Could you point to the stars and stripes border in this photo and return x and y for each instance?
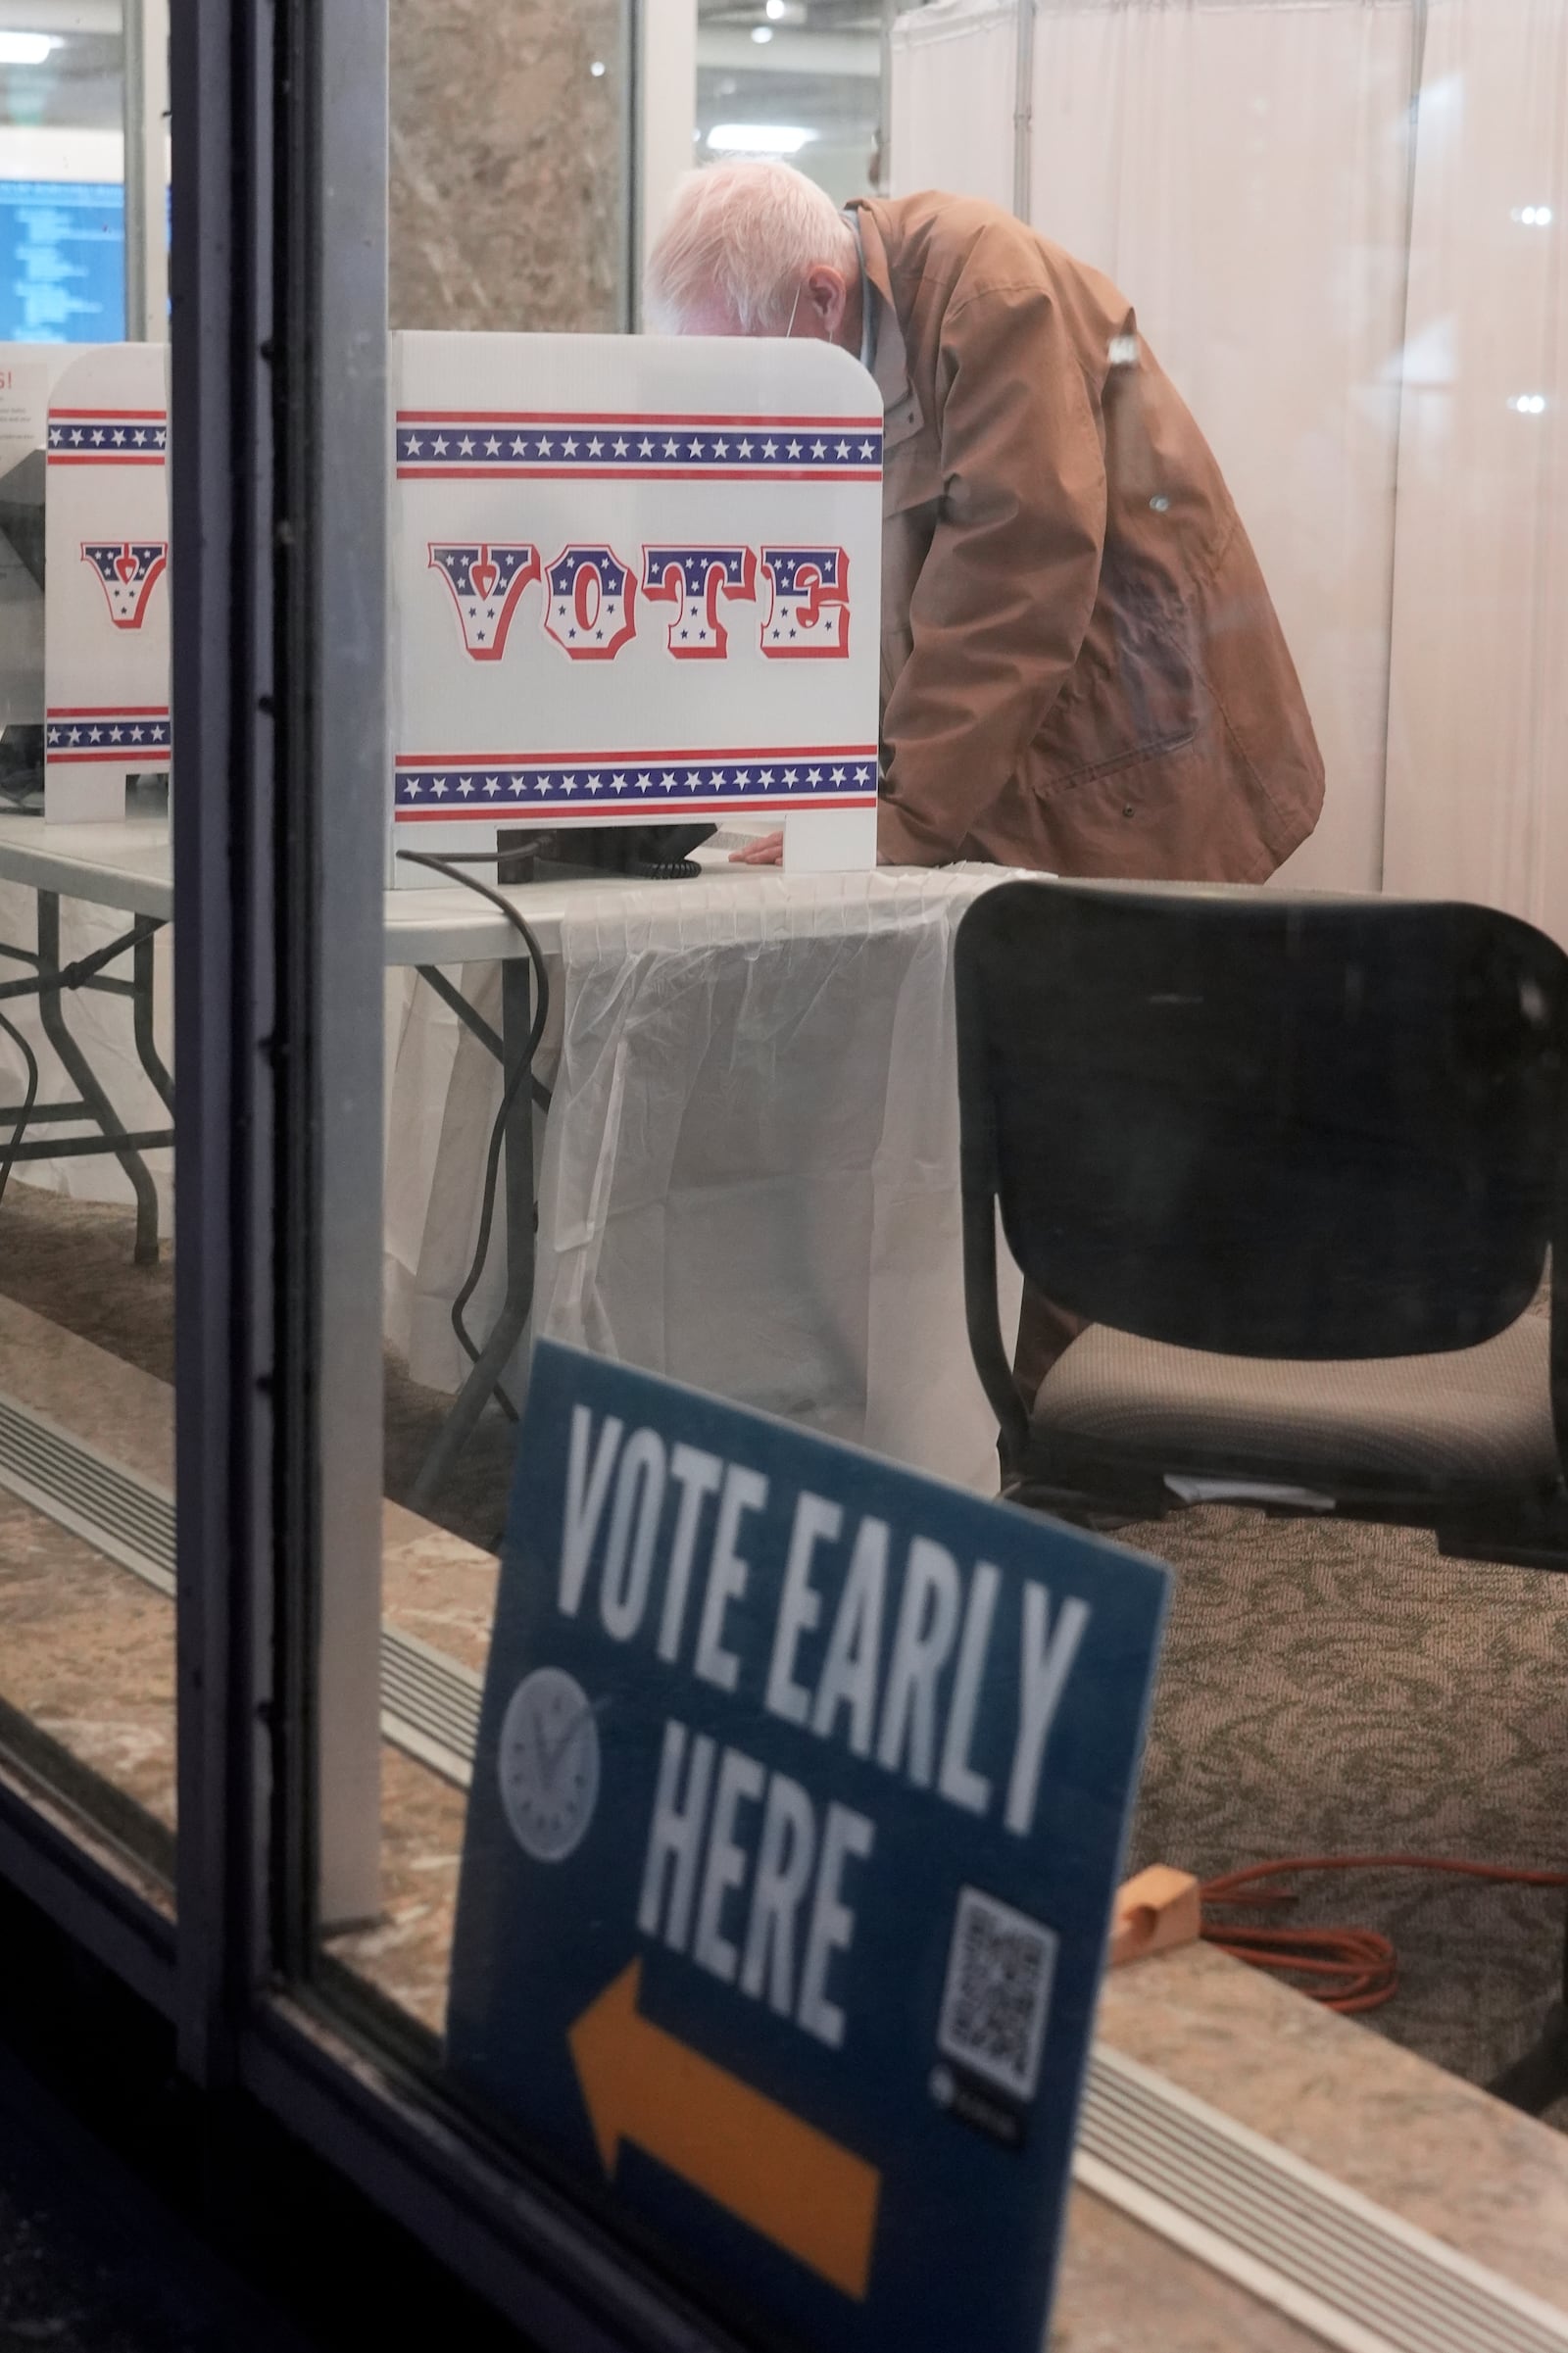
(115, 733)
(108, 437)
(649, 783)
(451, 444)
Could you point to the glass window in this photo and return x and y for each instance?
(87, 1165)
(1321, 251)
(511, 209)
(1191, 519)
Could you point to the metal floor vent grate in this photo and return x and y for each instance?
(429, 1702)
(110, 1508)
(1346, 2269)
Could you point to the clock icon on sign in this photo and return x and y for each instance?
(549, 1764)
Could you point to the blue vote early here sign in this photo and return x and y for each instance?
(799, 1808)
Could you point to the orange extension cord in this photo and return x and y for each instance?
(1347, 1969)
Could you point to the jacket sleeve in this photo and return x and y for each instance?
(1004, 595)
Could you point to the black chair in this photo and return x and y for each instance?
(1296, 1161)
(1300, 1163)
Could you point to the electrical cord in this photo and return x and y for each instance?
(1345, 1969)
(448, 864)
(451, 867)
(481, 1247)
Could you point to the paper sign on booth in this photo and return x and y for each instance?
(635, 580)
(798, 1812)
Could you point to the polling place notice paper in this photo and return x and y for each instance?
(798, 1810)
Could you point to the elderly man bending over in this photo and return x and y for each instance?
(1081, 667)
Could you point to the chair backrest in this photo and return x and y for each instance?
(1270, 1125)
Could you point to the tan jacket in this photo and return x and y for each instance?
(1081, 667)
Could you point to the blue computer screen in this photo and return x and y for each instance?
(62, 261)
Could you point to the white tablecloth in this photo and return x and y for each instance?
(748, 1177)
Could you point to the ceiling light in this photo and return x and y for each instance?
(27, 48)
(596, 68)
(775, 9)
(1529, 404)
(758, 138)
(761, 33)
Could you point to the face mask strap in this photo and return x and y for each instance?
(794, 307)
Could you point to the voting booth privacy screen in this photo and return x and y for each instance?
(106, 530)
(798, 1811)
(635, 580)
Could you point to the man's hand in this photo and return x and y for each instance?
(766, 850)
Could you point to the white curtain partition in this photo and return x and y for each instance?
(1478, 735)
(1320, 209)
(950, 118)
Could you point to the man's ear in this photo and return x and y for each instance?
(827, 292)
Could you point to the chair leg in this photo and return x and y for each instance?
(1531, 1534)
(1101, 1515)
(1534, 2081)
(1541, 2076)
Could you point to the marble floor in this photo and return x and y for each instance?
(1428, 2147)
(87, 1660)
(86, 1650)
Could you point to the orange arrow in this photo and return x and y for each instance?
(742, 2150)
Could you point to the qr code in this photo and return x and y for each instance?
(997, 1992)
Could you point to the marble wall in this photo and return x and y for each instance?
(507, 200)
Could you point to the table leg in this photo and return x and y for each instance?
(518, 1198)
(96, 1105)
(152, 1061)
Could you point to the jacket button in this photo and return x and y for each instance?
(1127, 808)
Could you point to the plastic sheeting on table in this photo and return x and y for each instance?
(750, 1170)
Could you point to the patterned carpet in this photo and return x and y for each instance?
(1333, 1688)
(1325, 1687)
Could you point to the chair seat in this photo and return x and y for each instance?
(1476, 1420)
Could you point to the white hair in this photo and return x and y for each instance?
(743, 235)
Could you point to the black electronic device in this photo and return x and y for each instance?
(22, 502)
(22, 680)
(581, 852)
(21, 771)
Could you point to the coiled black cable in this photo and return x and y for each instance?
(451, 867)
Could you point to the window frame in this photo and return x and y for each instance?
(279, 432)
